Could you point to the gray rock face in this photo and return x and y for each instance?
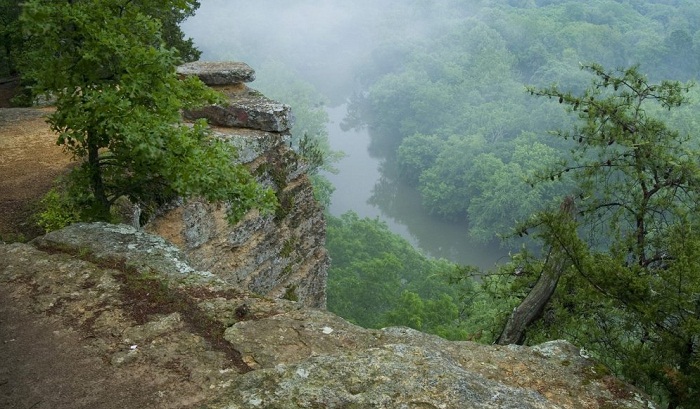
(245, 108)
(143, 309)
(278, 256)
(218, 73)
(253, 111)
(136, 249)
(392, 376)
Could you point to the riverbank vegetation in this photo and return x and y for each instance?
(452, 109)
(448, 104)
(465, 98)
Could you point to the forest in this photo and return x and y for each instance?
(567, 130)
(500, 114)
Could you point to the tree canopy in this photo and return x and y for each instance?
(118, 101)
(377, 279)
(629, 287)
(12, 42)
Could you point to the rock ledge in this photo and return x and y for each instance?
(143, 309)
(218, 72)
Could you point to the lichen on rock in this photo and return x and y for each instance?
(254, 254)
(237, 349)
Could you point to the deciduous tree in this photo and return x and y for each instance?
(118, 99)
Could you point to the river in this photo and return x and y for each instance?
(360, 186)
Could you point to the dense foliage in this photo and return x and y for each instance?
(118, 102)
(10, 38)
(631, 291)
(12, 41)
(377, 279)
(452, 110)
(450, 106)
(442, 91)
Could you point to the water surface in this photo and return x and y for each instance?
(363, 186)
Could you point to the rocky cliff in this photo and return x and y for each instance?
(191, 339)
(282, 255)
(190, 312)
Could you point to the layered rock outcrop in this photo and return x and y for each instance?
(135, 302)
(281, 255)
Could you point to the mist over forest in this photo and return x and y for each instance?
(491, 118)
(326, 43)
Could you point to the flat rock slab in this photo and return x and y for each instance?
(219, 72)
(155, 340)
(252, 111)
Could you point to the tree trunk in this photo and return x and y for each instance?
(98, 188)
(532, 306)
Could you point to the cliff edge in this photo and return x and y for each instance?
(280, 255)
(191, 312)
(168, 335)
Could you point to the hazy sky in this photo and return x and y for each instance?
(326, 42)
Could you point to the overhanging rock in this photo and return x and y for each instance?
(249, 110)
(280, 255)
(245, 108)
(215, 73)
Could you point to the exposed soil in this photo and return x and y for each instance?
(30, 161)
(44, 363)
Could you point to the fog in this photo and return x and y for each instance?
(329, 44)
(443, 83)
(324, 42)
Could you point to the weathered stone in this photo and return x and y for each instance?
(152, 329)
(218, 73)
(280, 255)
(250, 144)
(250, 110)
(392, 376)
(275, 353)
(122, 244)
(276, 256)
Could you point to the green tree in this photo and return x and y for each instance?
(118, 99)
(416, 154)
(629, 287)
(170, 19)
(377, 280)
(10, 38)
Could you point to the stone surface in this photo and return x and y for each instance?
(143, 310)
(280, 255)
(125, 244)
(392, 376)
(218, 73)
(248, 110)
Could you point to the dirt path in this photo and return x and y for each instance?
(29, 163)
(44, 364)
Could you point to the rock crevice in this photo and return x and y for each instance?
(142, 308)
(280, 256)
